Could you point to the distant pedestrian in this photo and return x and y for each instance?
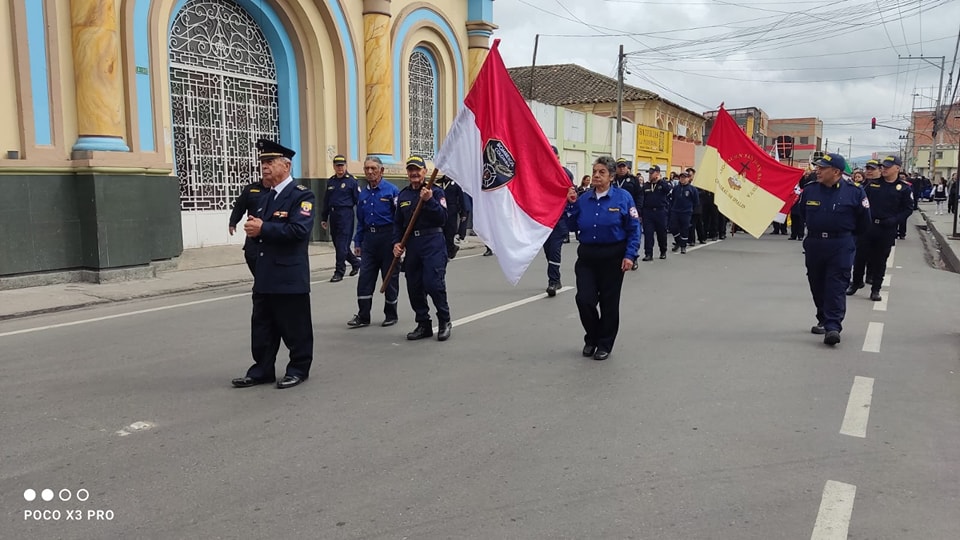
(684, 199)
(940, 195)
(339, 203)
(281, 284)
(655, 212)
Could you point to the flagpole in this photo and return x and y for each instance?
(408, 232)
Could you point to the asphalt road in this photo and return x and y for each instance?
(717, 416)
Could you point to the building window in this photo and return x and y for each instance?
(804, 140)
(423, 104)
(223, 92)
(939, 155)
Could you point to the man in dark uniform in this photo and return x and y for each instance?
(656, 208)
(456, 213)
(281, 280)
(426, 253)
(835, 211)
(373, 243)
(338, 208)
(697, 231)
(553, 246)
(685, 198)
(247, 203)
(902, 226)
(891, 200)
(625, 180)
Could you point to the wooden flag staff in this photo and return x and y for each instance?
(408, 232)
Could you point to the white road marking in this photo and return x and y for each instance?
(501, 309)
(887, 280)
(858, 408)
(871, 342)
(882, 304)
(119, 315)
(893, 253)
(836, 507)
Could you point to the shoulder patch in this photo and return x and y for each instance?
(633, 212)
(404, 204)
(865, 202)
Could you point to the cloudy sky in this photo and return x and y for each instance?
(843, 61)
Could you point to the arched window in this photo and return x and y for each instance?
(223, 91)
(423, 103)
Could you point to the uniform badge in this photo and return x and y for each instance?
(813, 203)
(280, 214)
(254, 191)
(443, 202)
(865, 203)
(613, 209)
(633, 213)
(499, 166)
(404, 204)
(343, 185)
(899, 187)
(306, 208)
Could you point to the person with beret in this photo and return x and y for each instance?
(609, 226)
(836, 211)
(280, 231)
(425, 264)
(341, 198)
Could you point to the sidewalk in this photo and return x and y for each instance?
(197, 269)
(941, 227)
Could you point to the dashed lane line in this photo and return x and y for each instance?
(871, 342)
(858, 408)
(893, 253)
(836, 507)
(882, 304)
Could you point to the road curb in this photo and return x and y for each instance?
(946, 250)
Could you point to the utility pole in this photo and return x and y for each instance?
(533, 65)
(620, 68)
(850, 148)
(936, 110)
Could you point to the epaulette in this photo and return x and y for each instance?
(302, 188)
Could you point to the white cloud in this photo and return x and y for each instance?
(836, 60)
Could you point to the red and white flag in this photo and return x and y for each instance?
(497, 152)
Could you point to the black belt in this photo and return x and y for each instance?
(425, 232)
(842, 234)
(379, 228)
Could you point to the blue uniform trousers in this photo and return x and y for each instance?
(654, 225)
(425, 265)
(680, 227)
(553, 247)
(281, 317)
(376, 257)
(828, 263)
(341, 230)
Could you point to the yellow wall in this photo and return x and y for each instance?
(9, 138)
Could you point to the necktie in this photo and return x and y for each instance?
(267, 204)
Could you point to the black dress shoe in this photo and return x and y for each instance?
(589, 350)
(355, 322)
(853, 288)
(289, 381)
(552, 288)
(675, 248)
(601, 355)
(875, 296)
(832, 337)
(336, 278)
(647, 258)
(663, 254)
(355, 270)
(683, 250)
(818, 329)
(443, 330)
(246, 382)
(423, 330)
(635, 265)
(868, 281)
(488, 252)
(388, 322)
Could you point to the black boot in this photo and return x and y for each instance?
(444, 330)
(423, 330)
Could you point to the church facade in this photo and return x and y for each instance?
(132, 123)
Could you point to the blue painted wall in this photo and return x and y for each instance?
(39, 83)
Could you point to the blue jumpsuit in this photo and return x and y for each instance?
(834, 216)
(425, 262)
(553, 246)
(376, 210)
(685, 197)
(656, 206)
(609, 233)
(338, 205)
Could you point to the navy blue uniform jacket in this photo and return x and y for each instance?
(282, 263)
(432, 215)
(843, 208)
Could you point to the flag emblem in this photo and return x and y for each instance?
(499, 166)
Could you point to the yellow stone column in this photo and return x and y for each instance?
(378, 75)
(478, 45)
(96, 63)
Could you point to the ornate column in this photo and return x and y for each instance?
(96, 62)
(478, 45)
(378, 76)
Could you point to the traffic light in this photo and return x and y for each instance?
(873, 123)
